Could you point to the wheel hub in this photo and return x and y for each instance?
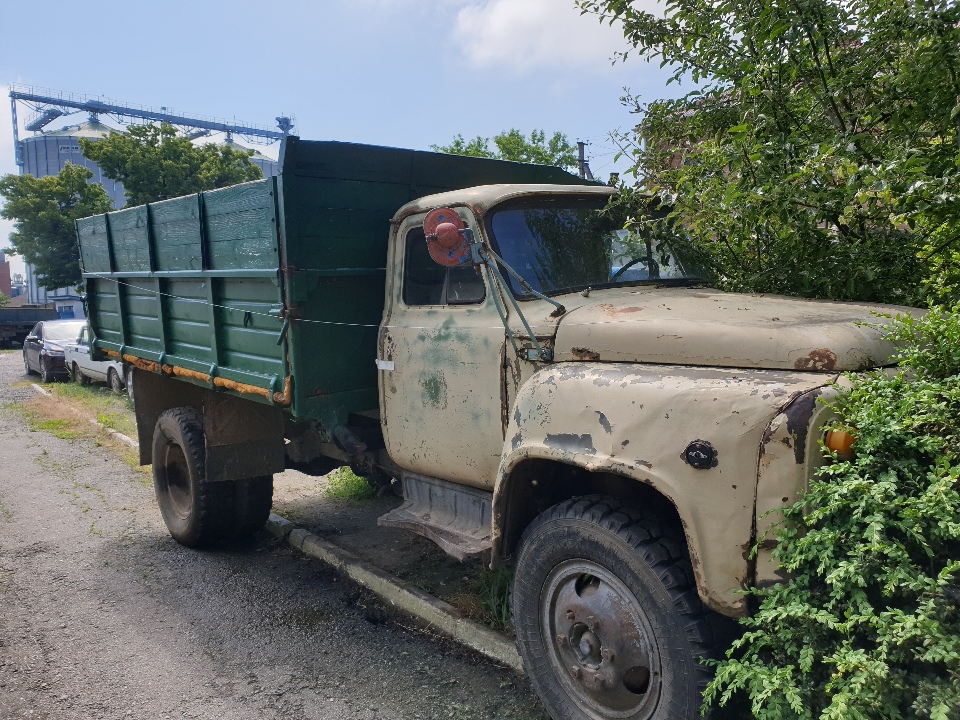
(602, 647)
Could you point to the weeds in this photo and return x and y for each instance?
(344, 484)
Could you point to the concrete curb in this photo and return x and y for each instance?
(437, 614)
(118, 435)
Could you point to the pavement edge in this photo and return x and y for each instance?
(439, 615)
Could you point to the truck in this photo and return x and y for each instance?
(553, 393)
(16, 322)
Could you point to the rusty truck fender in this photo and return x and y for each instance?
(692, 434)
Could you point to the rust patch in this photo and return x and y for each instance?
(585, 353)
(614, 311)
(820, 360)
(141, 363)
(286, 397)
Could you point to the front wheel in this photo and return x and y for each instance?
(607, 616)
(45, 373)
(197, 512)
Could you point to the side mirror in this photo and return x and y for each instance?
(447, 239)
(31, 338)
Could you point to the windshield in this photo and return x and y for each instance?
(62, 333)
(567, 244)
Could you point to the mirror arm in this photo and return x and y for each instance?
(482, 256)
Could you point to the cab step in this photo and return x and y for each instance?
(455, 517)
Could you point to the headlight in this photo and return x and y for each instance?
(54, 350)
(841, 442)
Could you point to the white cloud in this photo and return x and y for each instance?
(532, 34)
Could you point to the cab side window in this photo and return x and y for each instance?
(426, 283)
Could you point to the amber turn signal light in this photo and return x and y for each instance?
(841, 442)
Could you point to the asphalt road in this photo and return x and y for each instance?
(102, 615)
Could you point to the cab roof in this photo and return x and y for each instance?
(483, 197)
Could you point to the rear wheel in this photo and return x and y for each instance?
(78, 376)
(607, 616)
(252, 500)
(114, 381)
(197, 512)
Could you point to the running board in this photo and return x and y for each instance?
(455, 517)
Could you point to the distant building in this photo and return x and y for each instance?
(18, 285)
(6, 282)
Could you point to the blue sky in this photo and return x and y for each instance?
(406, 73)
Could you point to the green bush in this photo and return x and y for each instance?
(344, 484)
(867, 626)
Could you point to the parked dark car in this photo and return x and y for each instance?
(43, 350)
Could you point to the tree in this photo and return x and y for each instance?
(44, 210)
(514, 145)
(817, 153)
(156, 163)
(3, 299)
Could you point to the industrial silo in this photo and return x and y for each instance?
(267, 165)
(46, 153)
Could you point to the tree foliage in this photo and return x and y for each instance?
(44, 210)
(514, 145)
(4, 300)
(867, 627)
(818, 153)
(156, 163)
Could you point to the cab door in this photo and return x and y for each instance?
(440, 356)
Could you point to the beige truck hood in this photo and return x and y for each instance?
(693, 326)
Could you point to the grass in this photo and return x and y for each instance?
(66, 415)
(344, 484)
(98, 401)
(487, 598)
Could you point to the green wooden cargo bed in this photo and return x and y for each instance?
(272, 290)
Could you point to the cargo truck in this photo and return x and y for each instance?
(551, 392)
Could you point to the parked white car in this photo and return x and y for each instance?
(84, 370)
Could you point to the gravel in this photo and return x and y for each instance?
(102, 615)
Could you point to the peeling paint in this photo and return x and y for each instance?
(571, 443)
(435, 390)
(798, 415)
(604, 423)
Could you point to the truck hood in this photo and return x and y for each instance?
(693, 326)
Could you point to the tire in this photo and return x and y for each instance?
(26, 365)
(128, 382)
(114, 381)
(45, 374)
(197, 513)
(607, 616)
(252, 500)
(78, 376)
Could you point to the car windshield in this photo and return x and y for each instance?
(567, 244)
(61, 333)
